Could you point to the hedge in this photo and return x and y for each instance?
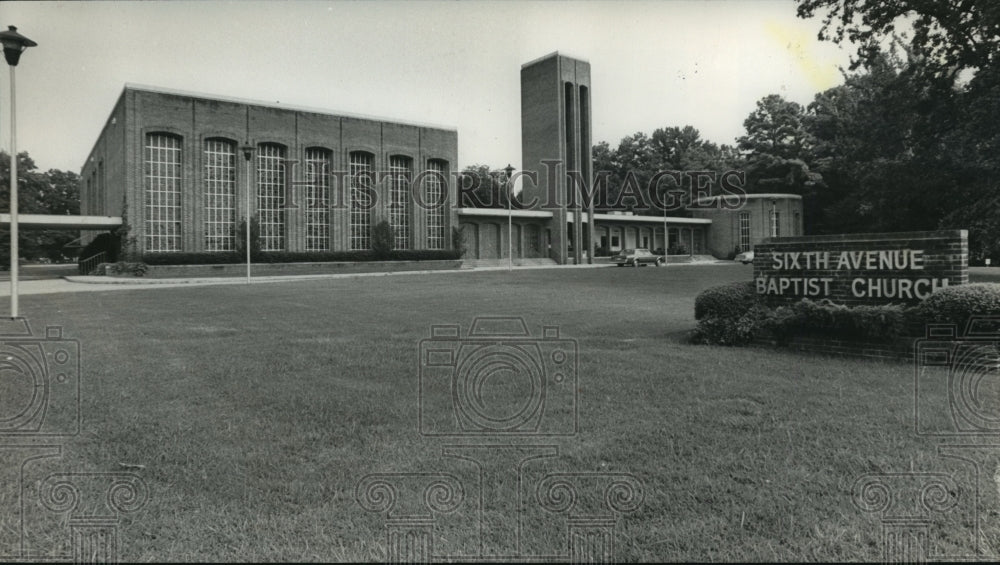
(729, 314)
(957, 304)
(885, 322)
(726, 301)
(733, 314)
(209, 258)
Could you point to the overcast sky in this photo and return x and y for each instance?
(654, 64)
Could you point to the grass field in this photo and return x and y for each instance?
(252, 413)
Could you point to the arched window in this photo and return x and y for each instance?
(436, 199)
(317, 199)
(400, 171)
(271, 196)
(362, 192)
(220, 195)
(162, 205)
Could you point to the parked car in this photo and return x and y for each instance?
(745, 257)
(636, 257)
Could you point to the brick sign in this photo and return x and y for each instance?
(871, 268)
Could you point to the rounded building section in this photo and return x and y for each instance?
(739, 222)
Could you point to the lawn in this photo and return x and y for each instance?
(252, 413)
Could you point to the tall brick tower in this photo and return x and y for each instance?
(555, 140)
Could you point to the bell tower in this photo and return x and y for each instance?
(556, 143)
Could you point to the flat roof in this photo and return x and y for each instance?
(503, 212)
(554, 54)
(775, 195)
(648, 219)
(328, 112)
(52, 221)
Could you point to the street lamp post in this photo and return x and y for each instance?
(247, 155)
(13, 45)
(509, 171)
(665, 254)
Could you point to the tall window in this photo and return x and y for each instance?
(400, 171)
(271, 196)
(775, 223)
(435, 186)
(162, 171)
(744, 231)
(88, 196)
(220, 195)
(361, 200)
(317, 200)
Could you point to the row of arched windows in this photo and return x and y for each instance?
(162, 168)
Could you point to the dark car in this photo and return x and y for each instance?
(636, 257)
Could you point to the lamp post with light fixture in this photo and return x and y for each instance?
(509, 170)
(13, 45)
(247, 155)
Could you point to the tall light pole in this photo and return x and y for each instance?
(509, 171)
(247, 155)
(665, 252)
(13, 45)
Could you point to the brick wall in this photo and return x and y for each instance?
(942, 259)
(194, 119)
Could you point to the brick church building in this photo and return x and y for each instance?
(184, 167)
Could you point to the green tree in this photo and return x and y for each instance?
(777, 149)
(947, 36)
(51, 192)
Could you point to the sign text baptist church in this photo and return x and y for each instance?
(891, 260)
(862, 268)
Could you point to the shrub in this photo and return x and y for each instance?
(824, 318)
(383, 238)
(734, 330)
(241, 236)
(130, 268)
(956, 304)
(726, 301)
(729, 314)
(458, 241)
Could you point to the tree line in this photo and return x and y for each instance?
(910, 140)
(39, 192)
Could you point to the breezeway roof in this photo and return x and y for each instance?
(51, 221)
(503, 212)
(645, 219)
